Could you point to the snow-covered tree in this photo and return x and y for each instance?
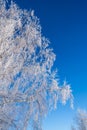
(81, 120)
(28, 85)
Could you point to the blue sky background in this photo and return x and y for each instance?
(64, 22)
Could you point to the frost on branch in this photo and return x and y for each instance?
(81, 120)
(28, 86)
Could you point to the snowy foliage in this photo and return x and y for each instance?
(28, 86)
(81, 120)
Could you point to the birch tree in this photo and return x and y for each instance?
(29, 86)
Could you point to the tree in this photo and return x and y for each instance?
(81, 120)
(29, 87)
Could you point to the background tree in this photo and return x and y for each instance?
(28, 85)
(81, 120)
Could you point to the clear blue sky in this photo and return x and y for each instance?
(64, 22)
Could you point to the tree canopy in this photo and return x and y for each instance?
(29, 86)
